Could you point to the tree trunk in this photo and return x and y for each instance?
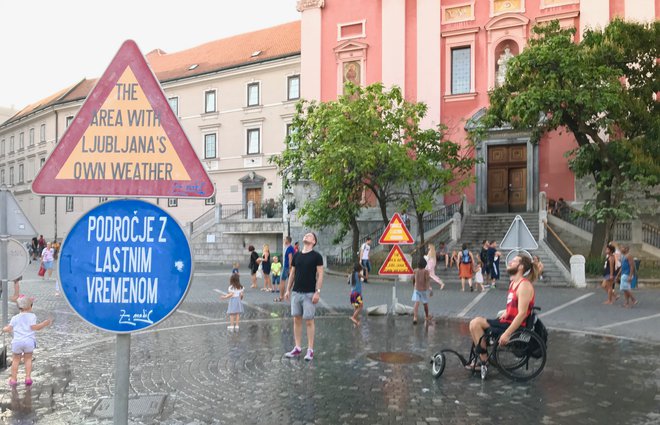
(600, 233)
(382, 203)
(420, 224)
(356, 239)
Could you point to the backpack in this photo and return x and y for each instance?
(465, 257)
(539, 329)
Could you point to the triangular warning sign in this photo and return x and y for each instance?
(396, 263)
(17, 222)
(518, 236)
(125, 141)
(396, 232)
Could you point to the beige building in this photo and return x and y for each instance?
(234, 98)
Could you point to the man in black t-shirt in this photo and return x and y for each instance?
(304, 290)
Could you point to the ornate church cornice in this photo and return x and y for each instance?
(303, 5)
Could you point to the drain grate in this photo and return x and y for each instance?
(395, 357)
(144, 405)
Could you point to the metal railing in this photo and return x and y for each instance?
(232, 211)
(436, 218)
(623, 231)
(240, 211)
(651, 235)
(558, 246)
(571, 215)
(202, 221)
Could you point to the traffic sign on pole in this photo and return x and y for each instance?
(125, 141)
(125, 266)
(518, 236)
(396, 232)
(396, 263)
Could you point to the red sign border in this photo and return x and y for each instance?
(199, 186)
(395, 217)
(395, 248)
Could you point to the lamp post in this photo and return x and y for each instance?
(288, 196)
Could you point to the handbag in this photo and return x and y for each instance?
(260, 273)
(42, 271)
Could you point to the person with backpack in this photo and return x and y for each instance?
(465, 267)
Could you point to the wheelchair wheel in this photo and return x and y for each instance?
(523, 358)
(438, 364)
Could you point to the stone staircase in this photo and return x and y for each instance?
(478, 227)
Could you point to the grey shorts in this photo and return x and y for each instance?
(23, 346)
(301, 305)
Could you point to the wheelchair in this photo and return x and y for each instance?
(522, 359)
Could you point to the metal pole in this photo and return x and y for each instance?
(122, 371)
(4, 261)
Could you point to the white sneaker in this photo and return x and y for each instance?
(310, 354)
(230, 327)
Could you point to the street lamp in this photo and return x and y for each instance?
(288, 196)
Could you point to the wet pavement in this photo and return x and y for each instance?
(192, 370)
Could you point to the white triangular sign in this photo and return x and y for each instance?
(518, 236)
(17, 222)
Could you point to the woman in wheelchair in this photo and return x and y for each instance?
(519, 306)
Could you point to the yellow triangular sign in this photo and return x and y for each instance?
(396, 263)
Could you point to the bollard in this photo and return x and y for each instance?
(578, 275)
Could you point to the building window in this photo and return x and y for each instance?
(21, 141)
(253, 139)
(69, 120)
(172, 202)
(293, 87)
(2, 176)
(21, 173)
(42, 133)
(42, 205)
(210, 201)
(11, 144)
(11, 176)
(209, 146)
(209, 101)
(69, 203)
(31, 140)
(42, 161)
(2, 147)
(460, 70)
(174, 105)
(102, 199)
(253, 94)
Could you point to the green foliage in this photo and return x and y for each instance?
(602, 90)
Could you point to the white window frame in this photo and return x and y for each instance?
(172, 202)
(42, 205)
(11, 176)
(68, 120)
(469, 77)
(215, 147)
(256, 84)
(21, 173)
(288, 87)
(169, 102)
(249, 131)
(2, 176)
(11, 144)
(2, 146)
(21, 140)
(206, 101)
(31, 137)
(42, 133)
(69, 204)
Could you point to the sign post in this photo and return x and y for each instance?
(126, 265)
(396, 233)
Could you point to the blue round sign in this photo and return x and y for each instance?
(125, 266)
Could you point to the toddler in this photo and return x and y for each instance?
(276, 271)
(422, 291)
(23, 326)
(356, 293)
(479, 276)
(234, 269)
(235, 295)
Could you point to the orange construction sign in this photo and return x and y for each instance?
(125, 141)
(396, 263)
(396, 232)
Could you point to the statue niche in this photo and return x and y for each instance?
(500, 70)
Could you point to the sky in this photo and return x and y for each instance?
(48, 45)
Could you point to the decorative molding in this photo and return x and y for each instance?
(506, 21)
(303, 5)
(455, 33)
(560, 17)
(545, 4)
(498, 7)
(460, 97)
(361, 34)
(458, 13)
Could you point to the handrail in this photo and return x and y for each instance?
(204, 218)
(558, 238)
(651, 235)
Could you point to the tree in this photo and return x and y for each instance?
(435, 166)
(345, 147)
(603, 91)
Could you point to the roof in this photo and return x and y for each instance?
(240, 50)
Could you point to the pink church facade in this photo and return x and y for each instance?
(448, 54)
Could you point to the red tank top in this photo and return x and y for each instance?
(512, 305)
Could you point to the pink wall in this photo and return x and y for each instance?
(411, 50)
(336, 12)
(554, 176)
(617, 8)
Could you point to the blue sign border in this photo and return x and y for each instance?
(79, 258)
